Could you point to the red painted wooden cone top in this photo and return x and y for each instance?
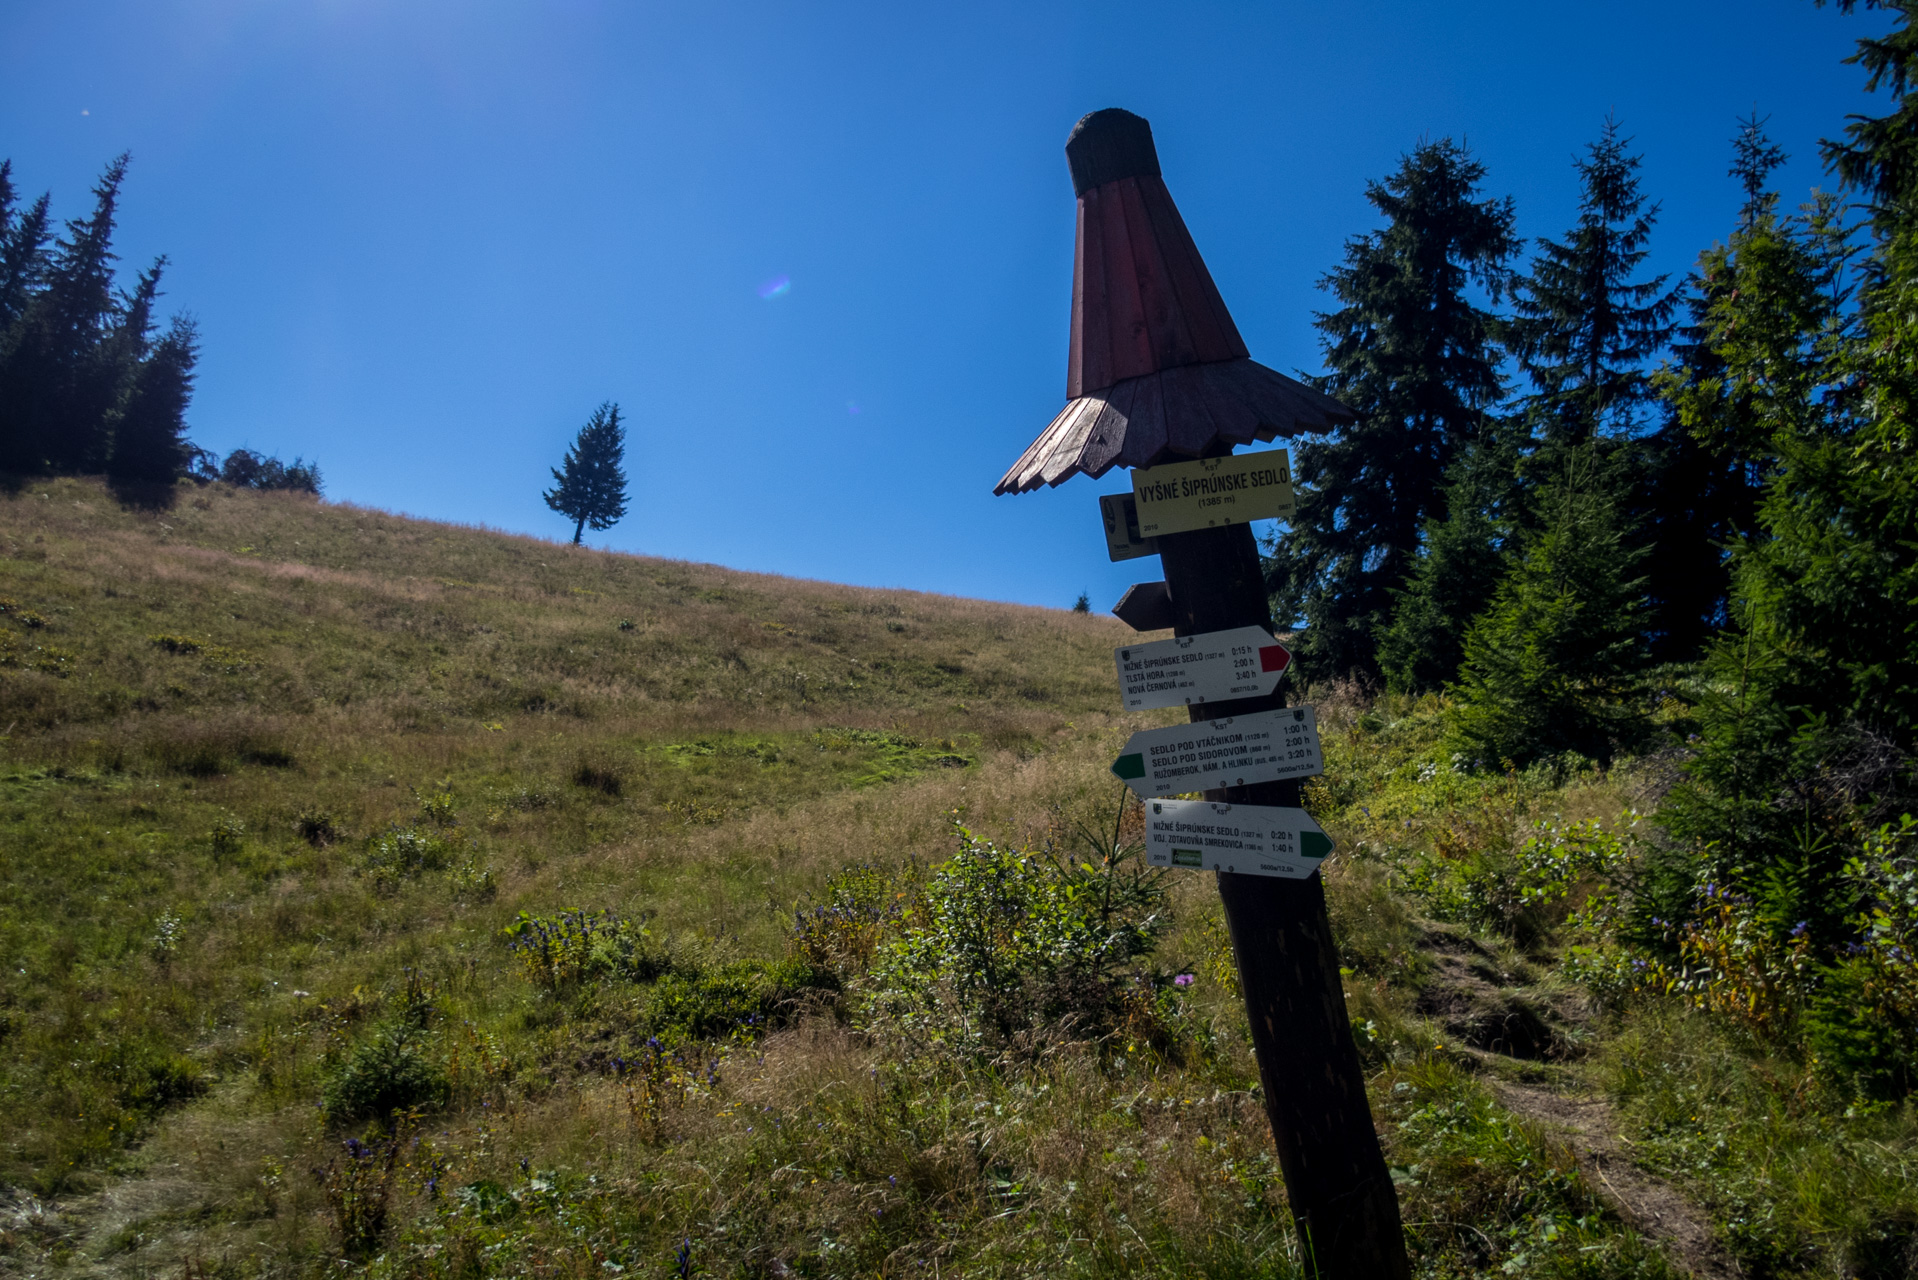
(1157, 370)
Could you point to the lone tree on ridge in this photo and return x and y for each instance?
(592, 481)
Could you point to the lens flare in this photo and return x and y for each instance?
(853, 409)
(777, 287)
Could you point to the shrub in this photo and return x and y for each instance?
(227, 836)
(742, 996)
(1523, 893)
(1005, 949)
(475, 880)
(691, 998)
(434, 843)
(1732, 962)
(147, 1077)
(317, 827)
(598, 776)
(245, 469)
(167, 932)
(229, 660)
(387, 1073)
(1863, 1023)
(405, 852)
(562, 950)
(841, 934)
(437, 807)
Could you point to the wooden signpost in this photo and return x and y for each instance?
(1159, 379)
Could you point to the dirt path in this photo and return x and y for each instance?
(1650, 1204)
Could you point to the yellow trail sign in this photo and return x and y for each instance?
(1183, 496)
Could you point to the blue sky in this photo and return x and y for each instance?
(423, 240)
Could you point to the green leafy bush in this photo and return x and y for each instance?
(1525, 892)
(1008, 949)
(691, 996)
(406, 852)
(227, 836)
(745, 996)
(1862, 1026)
(317, 826)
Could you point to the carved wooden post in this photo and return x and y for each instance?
(1158, 374)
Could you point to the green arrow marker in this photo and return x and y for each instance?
(1314, 844)
(1128, 767)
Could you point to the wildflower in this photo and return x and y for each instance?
(1184, 980)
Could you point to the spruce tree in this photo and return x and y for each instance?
(150, 449)
(1550, 667)
(23, 254)
(1416, 358)
(1583, 327)
(1756, 308)
(1459, 569)
(1811, 716)
(591, 488)
(57, 382)
(1754, 156)
(77, 357)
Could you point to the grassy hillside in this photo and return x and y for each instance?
(209, 713)
(394, 895)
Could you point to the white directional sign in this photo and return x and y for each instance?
(1228, 752)
(1244, 839)
(1213, 491)
(1242, 663)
